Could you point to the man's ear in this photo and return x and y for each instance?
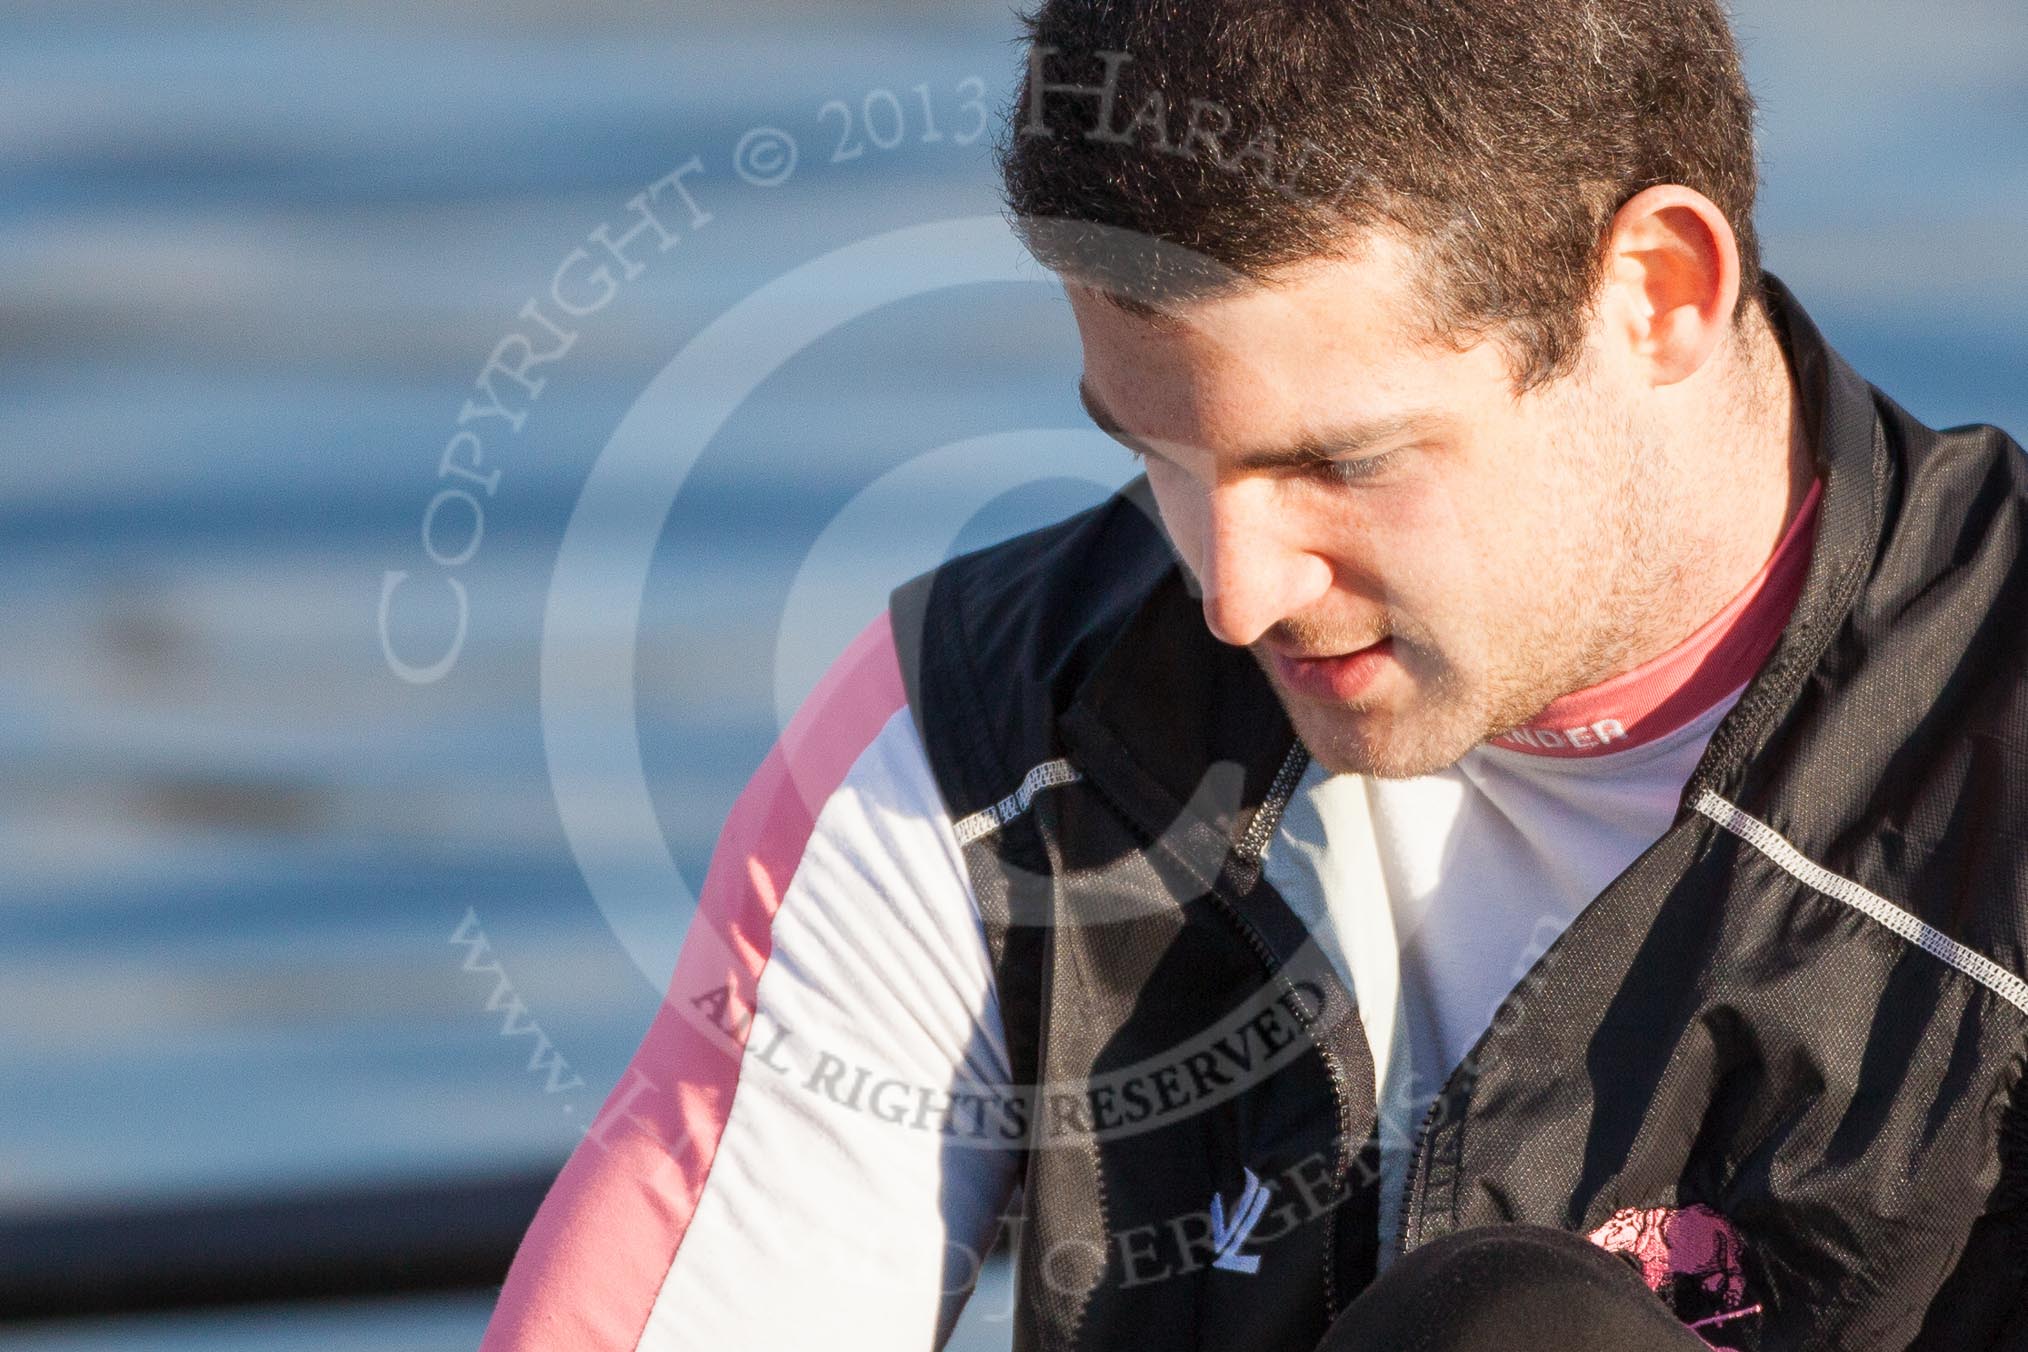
(1671, 282)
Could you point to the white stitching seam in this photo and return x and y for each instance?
(988, 820)
(1770, 842)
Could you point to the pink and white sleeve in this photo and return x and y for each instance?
(797, 1155)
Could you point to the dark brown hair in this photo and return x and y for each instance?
(1173, 149)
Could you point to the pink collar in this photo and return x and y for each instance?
(1657, 698)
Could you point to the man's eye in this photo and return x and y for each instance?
(1354, 471)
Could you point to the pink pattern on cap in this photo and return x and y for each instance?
(1692, 1247)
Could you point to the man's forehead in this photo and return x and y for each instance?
(1327, 353)
(1283, 339)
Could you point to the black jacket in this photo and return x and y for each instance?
(1800, 1008)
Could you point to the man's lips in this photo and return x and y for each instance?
(1336, 678)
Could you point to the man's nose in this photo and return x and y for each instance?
(1253, 573)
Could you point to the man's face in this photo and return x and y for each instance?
(1484, 550)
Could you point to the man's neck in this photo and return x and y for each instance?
(1740, 483)
(1710, 584)
(1784, 424)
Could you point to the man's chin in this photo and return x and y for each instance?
(1381, 742)
(1401, 728)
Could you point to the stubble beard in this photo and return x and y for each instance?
(1523, 667)
(1368, 736)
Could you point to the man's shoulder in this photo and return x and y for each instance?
(1963, 471)
(1930, 685)
(993, 644)
(1953, 509)
(1036, 609)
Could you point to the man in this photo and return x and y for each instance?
(1510, 833)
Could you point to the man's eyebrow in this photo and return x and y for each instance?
(1306, 451)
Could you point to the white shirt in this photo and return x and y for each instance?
(1434, 896)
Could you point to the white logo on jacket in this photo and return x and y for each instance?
(1228, 1236)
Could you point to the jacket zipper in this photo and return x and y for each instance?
(1399, 1241)
(1340, 1093)
(1270, 812)
(1266, 818)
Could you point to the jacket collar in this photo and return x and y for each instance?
(1849, 438)
(1185, 735)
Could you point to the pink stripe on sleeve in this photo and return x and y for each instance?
(587, 1273)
